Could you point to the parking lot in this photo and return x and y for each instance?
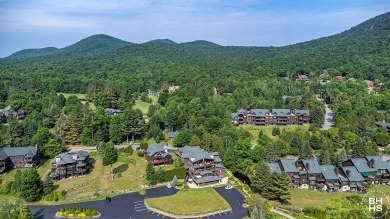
(131, 205)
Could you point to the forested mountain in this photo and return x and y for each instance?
(32, 52)
(362, 52)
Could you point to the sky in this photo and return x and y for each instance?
(59, 23)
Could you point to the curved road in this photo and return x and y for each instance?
(131, 205)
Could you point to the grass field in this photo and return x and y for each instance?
(143, 106)
(254, 130)
(301, 198)
(130, 167)
(81, 97)
(190, 202)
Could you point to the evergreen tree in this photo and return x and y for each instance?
(110, 156)
(271, 153)
(305, 151)
(31, 186)
(48, 186)
(151, 178)
(195, 141)
(325, 158)
(279, 187)
(359, 150)
(25, 213)
(115, 129)
(260, 180)
(133, 123)
(295, 145)
(74, 127)
(342, 156)
(317, 116)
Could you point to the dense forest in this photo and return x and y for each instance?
(214, 81)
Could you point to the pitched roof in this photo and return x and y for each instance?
(173, 134)
(382, 124)
(3, 155)
(274, 167)
(195, 154)
(288, 165)
(328, 172)
(112, 111)
(19, 151)
(354, 175)
(207, 179)
(379, 162)
(69, 157)
(361, 165)
(312, 166)
(259, 112)
(154, 148)
(281, 112)
(302, 112)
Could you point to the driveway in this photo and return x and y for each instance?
(131, 205)
(328, 123)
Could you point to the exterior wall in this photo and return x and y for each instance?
(157, 159)
(59, 172)
(20, 162)
(247, 118)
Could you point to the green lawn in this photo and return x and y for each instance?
(190, 202)
(81, 97)
(254, 130)
(143, 106)
(301, 198)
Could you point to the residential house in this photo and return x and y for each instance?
(172, 89)
(8, 112)
(332, 180)
(69, 164)
(338, 79)
(203, 168)
(302, 78)
(18, 157)
(383, 124)
(353, 80)
(274, 167)
(355, 179)
(172, 135)
(112, 112)
(365, 168)
(264, 117)
(156, 154)
(290, 167)
(383, 169)
(311, 174)
(303, 116)
(369, 83)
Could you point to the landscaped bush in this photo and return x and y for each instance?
(179, 172)
(127, 150)
(77, 212)
(55, 196)
(140, 153)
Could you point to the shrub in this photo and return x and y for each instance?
(77, 211)
(55, 196)
(179, 172)
(127, 150)
(140, 153)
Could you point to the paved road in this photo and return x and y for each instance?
(131, 205)
(328, 123)
(282, 213)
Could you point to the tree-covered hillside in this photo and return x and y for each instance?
(361, 52)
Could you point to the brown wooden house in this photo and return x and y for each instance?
(203, 168)
(156, 155)
(18, 157)
(69, 164)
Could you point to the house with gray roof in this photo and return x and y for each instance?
(264, 117)
(172, 135)
(18, 157)
(383, 124)
(9, 112)
(203, 168)
(365, 168)
(70, 164)
(290, 166)
(355, 179)
(311, 175)
(332, 180)
(112, 112)
(274, 167)
(383, 168)
(156, 154)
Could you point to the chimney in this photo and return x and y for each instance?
(296, 163)
(348, 173)
(307, 165)
(336, 170)
(372, 163)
